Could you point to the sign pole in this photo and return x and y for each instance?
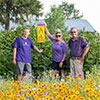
(40, 35)
(41, 53)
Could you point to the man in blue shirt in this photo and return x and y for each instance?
(78, 49)
(22, 53)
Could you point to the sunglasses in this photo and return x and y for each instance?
(58, 35)
(73, 32)
(58, 32)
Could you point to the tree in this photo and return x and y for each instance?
(17, 10)
(57, 16)
(55, 19)
(69, 11)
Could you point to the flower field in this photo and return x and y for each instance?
(53, 89)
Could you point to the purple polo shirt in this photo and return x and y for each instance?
(77, 46)
(23, 47)
(58, 49)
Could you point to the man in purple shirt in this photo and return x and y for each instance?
(22, 53)
(59, 52)
(78, 49)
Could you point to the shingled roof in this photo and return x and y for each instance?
(80, 24)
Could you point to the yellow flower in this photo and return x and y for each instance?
(96, 77)
(64, 98)
(34, 85)
(58, 97)
(36, 97)
(40, 90)
(68, 77)
(88, 98)
(47, 97)
(98, 98)
(51, 98)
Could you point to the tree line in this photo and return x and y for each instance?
(23, 10)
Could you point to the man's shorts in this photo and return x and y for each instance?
(20, 67)
(55, 65)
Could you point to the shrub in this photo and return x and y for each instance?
(6, 51)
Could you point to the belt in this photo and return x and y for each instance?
(76, 58)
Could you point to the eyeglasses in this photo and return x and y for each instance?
(26, 32)
(58, 35)
(58, 32)
(73, 32)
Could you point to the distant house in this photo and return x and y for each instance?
(80, 24)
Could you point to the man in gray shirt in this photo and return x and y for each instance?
(78, 49)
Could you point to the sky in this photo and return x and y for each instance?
(89, 8)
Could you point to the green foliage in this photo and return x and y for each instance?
(55, 19)
(18, 10)
(69, 11)
(95, 70)
(93, 57)
(57, 16)
(7, 69)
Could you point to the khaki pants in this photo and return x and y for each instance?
(76, 68)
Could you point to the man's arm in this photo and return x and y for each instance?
(36, 49)
(86, 47)
(14, 55)
(84, 53)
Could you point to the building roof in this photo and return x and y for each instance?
(80, 24)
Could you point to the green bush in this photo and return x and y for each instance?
(7, 69)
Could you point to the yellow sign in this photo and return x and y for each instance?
(40, 34)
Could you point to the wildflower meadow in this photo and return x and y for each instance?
(48, 87)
